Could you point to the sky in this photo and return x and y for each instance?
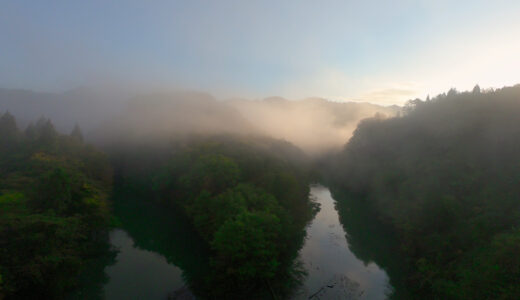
(384, 52)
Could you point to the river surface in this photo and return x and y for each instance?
(139, 274)
(334, 272)
(157, 254)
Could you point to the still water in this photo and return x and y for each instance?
(139, 274)
(158, 254)
(334, 272)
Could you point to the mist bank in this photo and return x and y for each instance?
(315, 125)
(444, 176)
(111, 116)
(84, 106)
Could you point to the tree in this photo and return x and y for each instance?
(444, 177)
(452, 92)
(30, 132)
(8, 128)
(54, 191)
(76, 133)
(46, 132)
(213, 173)
(246, 246)
(210, 212)
(51, 222)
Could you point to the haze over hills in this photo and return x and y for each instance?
(315, 125)
(87, 107)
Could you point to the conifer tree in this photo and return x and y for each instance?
(76, 133)
(8, 129)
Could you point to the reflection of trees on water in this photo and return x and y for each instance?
(93, 278)
(170, 234)
(370, 240)
(167, 232)
(163, 231)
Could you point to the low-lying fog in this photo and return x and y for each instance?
(315, 125)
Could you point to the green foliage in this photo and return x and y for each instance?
(11, 198)
(8, 129)
(248, 203)
(54, 191)
(213, 173)
(209, 213)
(445, 176)
(246, 246)
(493, 268)
(53, 205)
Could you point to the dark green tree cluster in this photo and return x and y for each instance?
(446, 176)
(247, 202)
(53, 208)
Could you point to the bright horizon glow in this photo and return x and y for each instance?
(383, 52)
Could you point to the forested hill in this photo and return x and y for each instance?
(446, 177)
(54, 209)
(246, 196)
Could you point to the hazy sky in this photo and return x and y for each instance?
(379, 51)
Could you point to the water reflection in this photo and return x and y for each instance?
(370, 240)
(334, 271)
(346, 255)
(139, 274)
(165, 232)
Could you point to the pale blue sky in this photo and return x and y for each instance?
(378, 51)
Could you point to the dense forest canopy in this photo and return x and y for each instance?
(445, 175)
(247, 197)
(244, 195)
(54, 208)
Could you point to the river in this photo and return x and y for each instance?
(334, 272)
(157, 254)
